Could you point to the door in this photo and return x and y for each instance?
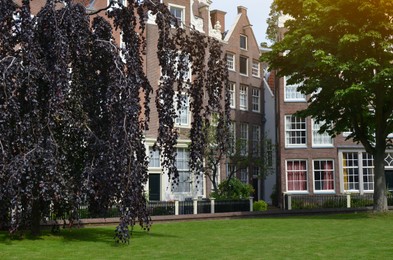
(154, 186)
(389, 180)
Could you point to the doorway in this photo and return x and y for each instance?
(154, 187)
(389, 179)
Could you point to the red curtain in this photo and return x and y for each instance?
(327, 175)
(297, 175)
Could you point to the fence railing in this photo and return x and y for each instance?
(165, 208)
(319, 201)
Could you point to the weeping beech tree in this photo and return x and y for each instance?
(74, 107)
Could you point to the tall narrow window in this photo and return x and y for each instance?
(244, 175)
(323, 175)
(368, 171)
(255, 68)
(230, 61)
(154, 160)
(232, 94)
(296, 175)
(255, 100)
(243, 97)
(243, 139)
(256, 139)
(320, 139)
(351, 171)
(243, 42)
(184, 183)
(243, 65)
(232, 137)
(295, 131)
(183, 114)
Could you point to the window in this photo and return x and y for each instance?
(243, 139)
(243, 65)
(323, 139)
(323, 175)
(243, 93)
(232, 137)
(184, 183)
(230, 61)
(295, 131)
(154, 160)
(368, 171)
(255, 100)
(291, 93)
(183, 68)
(244, 175)
(255, 68)
(243, 42)
(232, 94)
(178, 13)
(183, 114)
(256, 139)
(255, 172)
(351, 171)
(296, 175)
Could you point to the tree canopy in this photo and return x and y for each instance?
(74, 107)
(341, 51)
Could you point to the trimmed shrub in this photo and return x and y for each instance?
(259, 205)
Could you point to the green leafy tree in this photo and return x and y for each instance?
(341, 51)
(272, 24)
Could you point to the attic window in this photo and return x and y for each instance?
(243, 42)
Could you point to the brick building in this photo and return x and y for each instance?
(314, 163)
(247, 94)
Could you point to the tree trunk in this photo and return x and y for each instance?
(380, 199)
(35, 218)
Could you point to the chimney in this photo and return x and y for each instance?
(218, 16)
(242, 10)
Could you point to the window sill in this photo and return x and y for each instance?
(295, 101)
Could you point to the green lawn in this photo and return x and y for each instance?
(351, 236)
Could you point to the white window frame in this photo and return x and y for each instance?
(243, 97)
(183, 13)
(154, 158)
(296, 170)
(353, 171)
(322, 171)
(232, 94)
(293, 133)
(232, 137)
(291, 94)
(183, 167)
(256, 100)
(244, 175)
(231, 61)
(240, 63)
(367, 172)
(320, 140)
(244, 139)
(179, 119)
(256, 71)
(242, 36)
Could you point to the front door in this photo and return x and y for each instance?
(389, 179)
(154, 186)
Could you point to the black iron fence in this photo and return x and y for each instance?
(320, 201)
(165, 208)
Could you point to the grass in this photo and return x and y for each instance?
(348, 236)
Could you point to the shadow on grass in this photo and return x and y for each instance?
(86, 234)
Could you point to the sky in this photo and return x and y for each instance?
(257, 11)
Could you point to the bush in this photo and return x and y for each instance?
(234, 189)
(259, 205)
